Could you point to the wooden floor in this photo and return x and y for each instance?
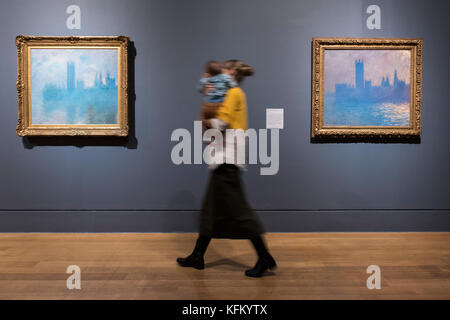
(142, 266)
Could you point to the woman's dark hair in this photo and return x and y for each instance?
(241, 69)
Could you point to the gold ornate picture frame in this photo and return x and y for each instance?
(366, 88)
(72, 86)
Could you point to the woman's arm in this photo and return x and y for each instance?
(225, 113)
(229, 105)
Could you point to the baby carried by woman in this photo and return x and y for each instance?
(217, 78)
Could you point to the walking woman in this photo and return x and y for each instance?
(225, 211)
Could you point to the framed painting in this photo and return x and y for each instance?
(366, 88)
(72, 86)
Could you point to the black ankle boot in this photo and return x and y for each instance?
(193, 260)
(267, 262)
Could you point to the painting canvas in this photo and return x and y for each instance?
(366, 87)
(75, 86)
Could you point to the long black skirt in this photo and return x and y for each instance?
(225, 211)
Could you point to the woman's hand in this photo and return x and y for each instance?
(208, 88)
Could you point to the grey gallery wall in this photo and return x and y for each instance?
(59, 185)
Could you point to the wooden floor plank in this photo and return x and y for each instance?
(142, 266)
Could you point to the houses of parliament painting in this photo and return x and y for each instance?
(367, 88)
(72, 86)
(77, 86)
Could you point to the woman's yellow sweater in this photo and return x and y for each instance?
(234, 109)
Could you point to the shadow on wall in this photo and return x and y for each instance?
(129, 142)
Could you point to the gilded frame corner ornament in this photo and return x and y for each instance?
(24, 125)
(318, 130)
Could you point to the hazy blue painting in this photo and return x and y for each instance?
(367, 88)
(74, 86)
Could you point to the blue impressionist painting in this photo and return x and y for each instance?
(74, 86)
(367, 87)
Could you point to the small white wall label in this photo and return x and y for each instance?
(274, 118)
